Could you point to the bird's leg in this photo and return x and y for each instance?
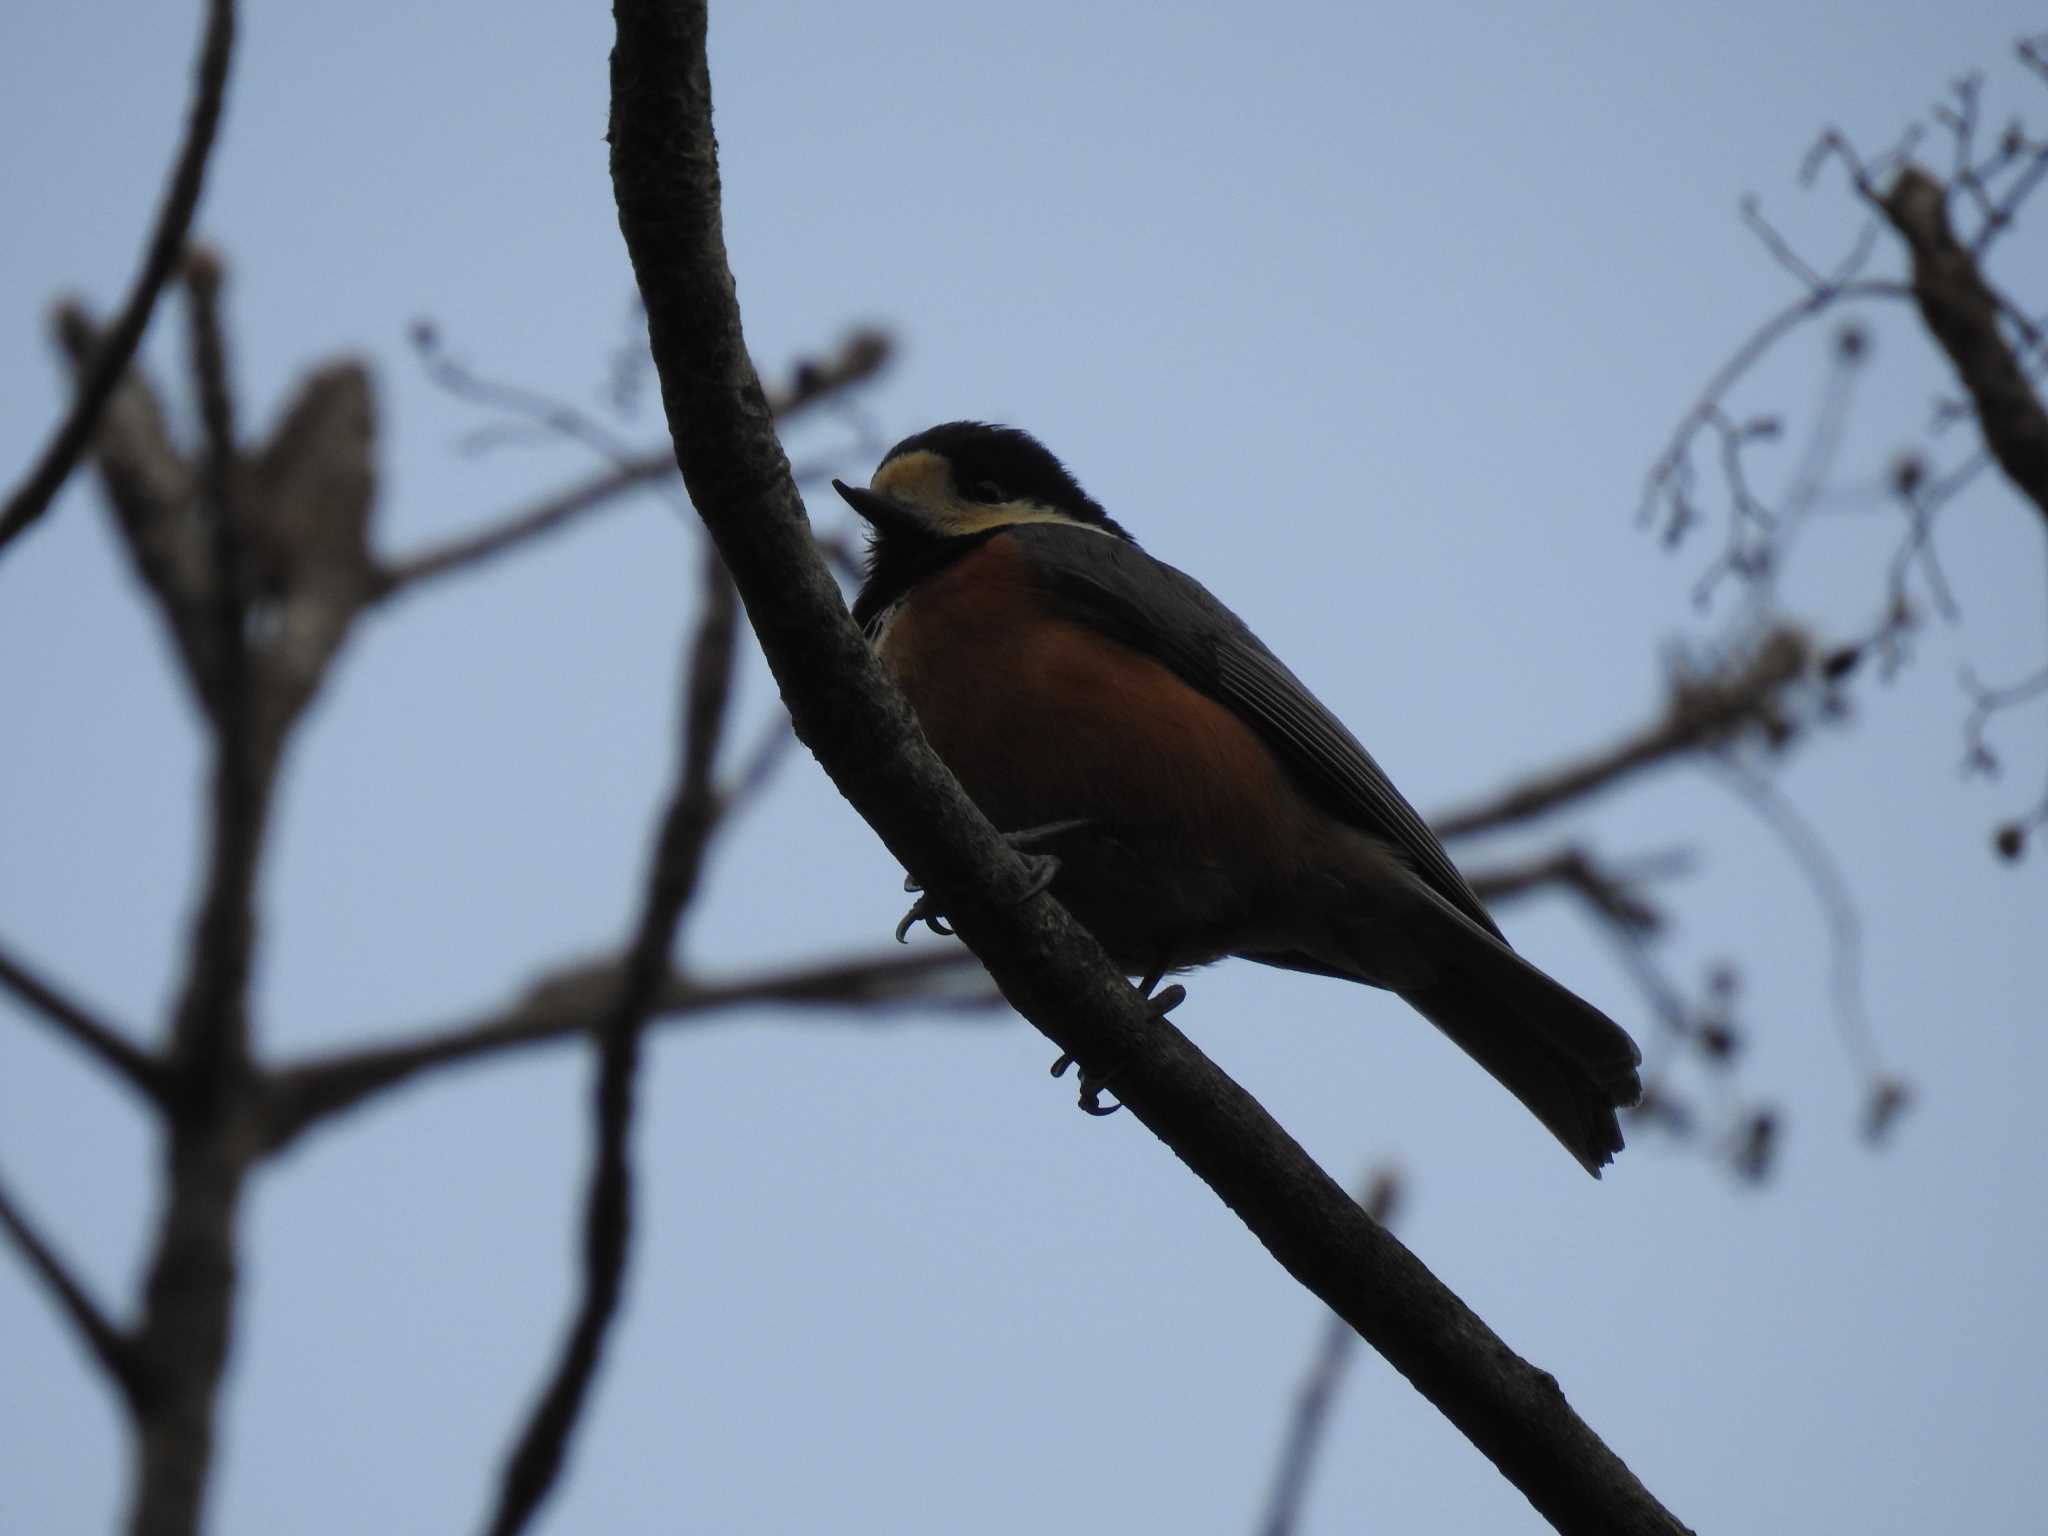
(1042, 870)
(1092, 1084)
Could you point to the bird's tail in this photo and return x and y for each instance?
(1562, 1057)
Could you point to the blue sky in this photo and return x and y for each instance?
(1372, 317)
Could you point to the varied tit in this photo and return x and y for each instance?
(1202, 802)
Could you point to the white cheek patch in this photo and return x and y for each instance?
(963, 517)
(921, 480)
(921, 483)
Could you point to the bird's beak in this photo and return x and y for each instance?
(882, 514)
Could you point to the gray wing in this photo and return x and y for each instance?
(1148, 605)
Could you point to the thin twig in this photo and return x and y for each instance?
(133, 1065)
(1724, 379)
(1613, 891)
(174, 218)
(857, 359)
(1831, 889)
(210, 373)
(554, 417)
(543, 517)
(113, 1349)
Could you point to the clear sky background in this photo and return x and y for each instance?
(1370, 316)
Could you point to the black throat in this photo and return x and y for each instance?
(895, 565)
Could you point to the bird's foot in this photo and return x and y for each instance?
(1164, 1002)
(1093, 1084)
(923, 910)
(1041, 870)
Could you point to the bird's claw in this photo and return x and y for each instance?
(921, 911)
(1091, 1086)
(1041, 871)
(1165, 1002)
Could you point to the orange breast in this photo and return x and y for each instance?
(1044, 719)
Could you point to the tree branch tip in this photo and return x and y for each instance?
(72, 326)
(1890, 1098)
(205, 268)
(867, 348)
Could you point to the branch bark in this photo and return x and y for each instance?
(665, 175)
(1959, 307)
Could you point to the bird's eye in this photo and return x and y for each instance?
(987, 492)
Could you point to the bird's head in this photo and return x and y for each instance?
(966, 478)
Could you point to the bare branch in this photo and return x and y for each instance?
(1963, 313)
(210, 372)
(665, 174)
(686, 831)
(554, 416)
(287, 528)
(1830, 888)
(133, 1065)
(857, 359)
(181, 1342)
(861, 355)
(520, 527)
(154, 498)
(1613, 892)
(174, 218)
(1666, 477)
(564, 1006)
(113, 1349)
(1700, 712)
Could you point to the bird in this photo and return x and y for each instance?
(1194, 799)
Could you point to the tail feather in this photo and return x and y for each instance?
(1562, 1057)
(1570, 1064)
(1533, 1036)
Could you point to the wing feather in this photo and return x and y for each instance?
(1149, 605)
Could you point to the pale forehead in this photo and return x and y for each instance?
(920, 476)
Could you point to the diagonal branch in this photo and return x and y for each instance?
(1699, 712)
(686, 829)
(114, 1351)
(541, 518)
(1959, 307)
(133, 1065)
(1831, 891)
(665, 175)
(857, 359)
(61, 456)
(1612, 892)
(564, 1005)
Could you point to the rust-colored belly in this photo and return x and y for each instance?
(1194, 824)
